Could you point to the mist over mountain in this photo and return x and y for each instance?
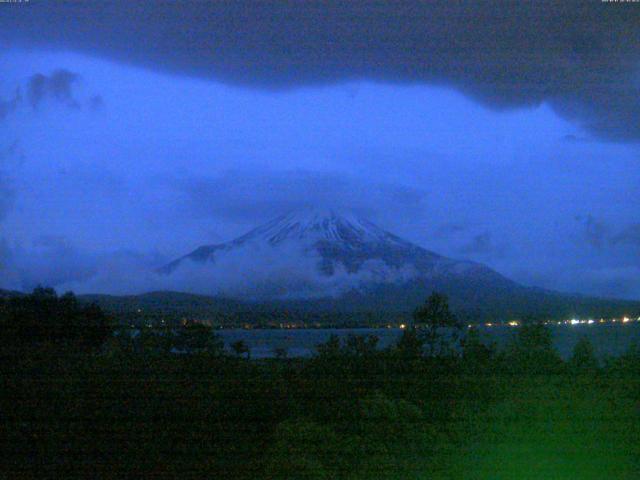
(326, 264)
(327, 252)
(328, 260)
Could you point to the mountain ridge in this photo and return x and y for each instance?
(347, 243)
(343, 238)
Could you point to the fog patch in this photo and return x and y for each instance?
(251, 272)
(54, 261)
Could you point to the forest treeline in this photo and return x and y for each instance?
(174, 403)
(434, 333)
(385, 306)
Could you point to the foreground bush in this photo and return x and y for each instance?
(45, 318)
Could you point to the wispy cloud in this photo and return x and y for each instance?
(58, 87)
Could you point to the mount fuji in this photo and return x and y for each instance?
(341, 242)
(333, 261)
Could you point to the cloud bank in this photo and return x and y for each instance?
(56, 87)
(581, 57)
(256, 195)
(250, 272)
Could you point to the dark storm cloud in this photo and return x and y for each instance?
(254, 196)
(580, 56)
(57, 86)
(9, 106)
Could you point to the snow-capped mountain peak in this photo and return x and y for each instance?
(327, 254)
(337, 241)
(326, 225)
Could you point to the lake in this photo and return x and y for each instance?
(608, 339)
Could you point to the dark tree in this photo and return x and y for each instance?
(440, 328)
(154, 340)
(198, 338)
(331, 348)
(475, 354)
(240, 348)
(411, 344)
(93, 325)
(532, 349)
(629, 361)
(280, 353)
(43, 317)
(583, 358)
(361, 345)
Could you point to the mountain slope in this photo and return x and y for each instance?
(371, 270)
(342, 241)
(9, 293)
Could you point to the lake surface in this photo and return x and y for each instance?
(607, 339)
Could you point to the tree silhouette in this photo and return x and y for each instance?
(153, 340)
(583, 357)
(410, 345)
(532, 349)
(475, 354)
(198, 338)
(43, 317)
(280, 353)
(440, 328)
(361, 345)
(331, 348)
(240, 347)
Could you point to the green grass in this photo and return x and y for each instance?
(551, 427)
(67, 415)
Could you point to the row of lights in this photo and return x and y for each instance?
(573, 321)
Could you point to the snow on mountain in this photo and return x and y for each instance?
(340, 246)
(321, 225)
(324, 260)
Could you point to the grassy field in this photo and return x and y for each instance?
(68, 415)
